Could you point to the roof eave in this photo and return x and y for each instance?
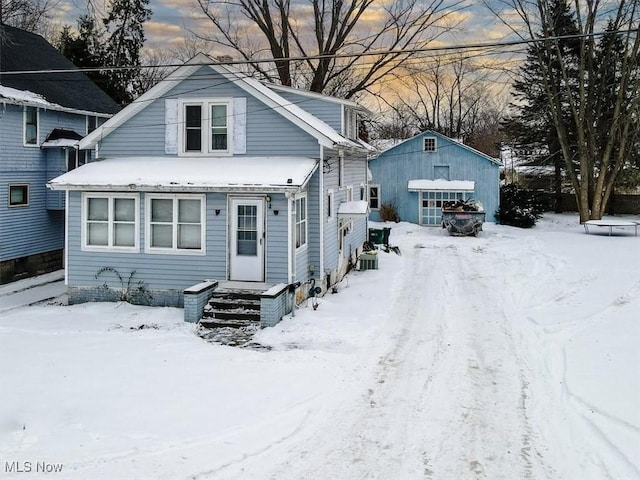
(179, 188)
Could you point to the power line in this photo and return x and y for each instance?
(402, 52)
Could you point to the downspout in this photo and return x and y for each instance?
(291, 239)
(322, 220)
(66, 238)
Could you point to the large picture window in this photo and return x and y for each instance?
(175, 223)
(301, 222)
(110, 221)
(206, 127)
(31, 126)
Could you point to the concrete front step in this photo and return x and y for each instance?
(232, 323)
(226, 303)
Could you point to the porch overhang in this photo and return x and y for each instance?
(180, 174)
(442, 185)
(356, 209)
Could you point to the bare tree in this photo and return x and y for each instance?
(450, 95)
(31, 15)
(279, 29)
(595, 112)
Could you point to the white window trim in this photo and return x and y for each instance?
(306, 221)
(109, 248)
(175, 250)
(24, 128)
(331, 200)
(373, 185)
(349, 198)
(340, 170)
(18, 205)
(435, 144)
(205, 124)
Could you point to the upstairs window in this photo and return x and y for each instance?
(92, 123)
(75, 158)
(30, 126)
(206, 127)
(351, 124)
(430, 144)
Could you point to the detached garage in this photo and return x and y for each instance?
(421, 173)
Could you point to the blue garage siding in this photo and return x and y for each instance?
(393, 169)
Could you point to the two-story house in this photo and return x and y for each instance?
(42, 118)
(212, 174)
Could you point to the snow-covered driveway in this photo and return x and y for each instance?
(508, 356)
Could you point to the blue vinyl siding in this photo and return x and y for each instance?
(38, 227)
(328, 111)
(277, 253)
(32, 229)
(177, 271)
(393, 169)
(267, 131)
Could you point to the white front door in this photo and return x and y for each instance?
(246, 238)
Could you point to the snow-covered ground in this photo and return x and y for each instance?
(513, 355)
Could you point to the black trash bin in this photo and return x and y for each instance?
(386, 232)
(376, 236)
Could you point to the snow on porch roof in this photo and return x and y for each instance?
(442, 185)
(354, 209)
(190, 174)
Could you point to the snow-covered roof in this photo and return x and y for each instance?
(325, 134)
(59, 143)
(170, 174)
(64, 87)
(359, 208)
(448, 185)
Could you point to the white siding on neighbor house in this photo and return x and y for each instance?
(267, 132)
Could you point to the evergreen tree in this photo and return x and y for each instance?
(124, 26)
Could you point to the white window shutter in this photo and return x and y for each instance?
(171, 125)
(240, 125)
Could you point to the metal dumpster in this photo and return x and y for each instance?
(461, 223)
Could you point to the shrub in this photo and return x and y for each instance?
(519, 207)
(132, 292)
(389, 212)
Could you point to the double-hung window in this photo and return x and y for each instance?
(301, 221)
(175, 224)
(206, 127)
(75, 158)
(374, 197)
(110, 222)
(31, 126)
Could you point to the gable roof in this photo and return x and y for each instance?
(25, 51)
(431, 133)
(315, 127)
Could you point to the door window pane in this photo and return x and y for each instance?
(247, 235)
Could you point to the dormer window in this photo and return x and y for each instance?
(206, 127)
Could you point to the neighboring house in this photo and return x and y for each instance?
(42, 118)
(214, 175)
(419, 174)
